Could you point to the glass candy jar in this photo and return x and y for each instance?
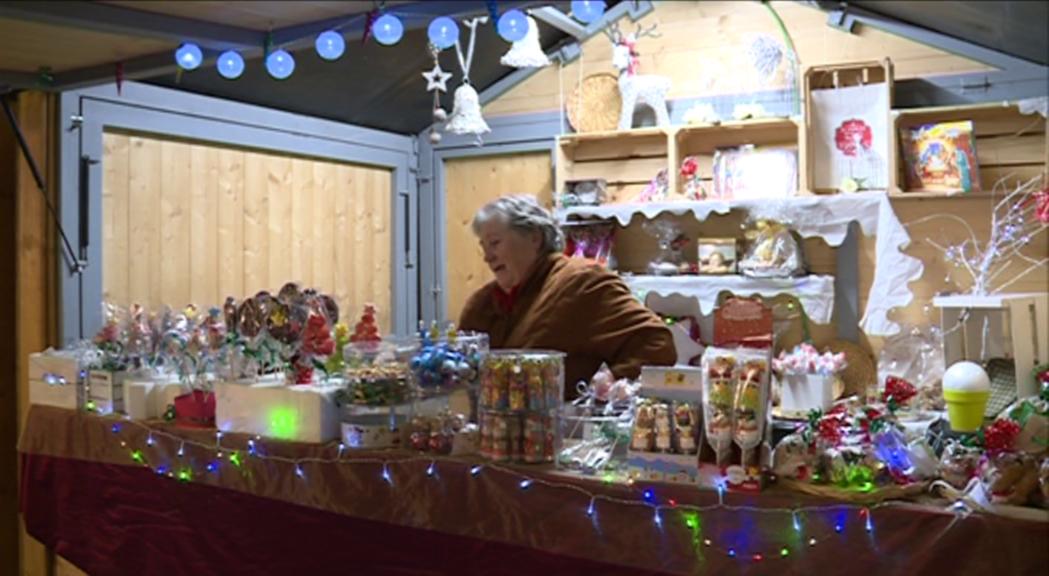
(520, 402)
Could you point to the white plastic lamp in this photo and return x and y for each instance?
(280, 64)
(587, 11)
(443, 32)
(388, 30)
(512, 25)
(230, 65)
(188, 56)
(330, 45)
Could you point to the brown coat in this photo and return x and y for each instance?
(581, 309)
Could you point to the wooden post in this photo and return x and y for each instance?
(27, 302)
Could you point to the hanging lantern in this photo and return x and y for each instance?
(526, 52)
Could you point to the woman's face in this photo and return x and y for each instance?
(509, 253)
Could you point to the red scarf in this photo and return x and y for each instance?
(504, 300)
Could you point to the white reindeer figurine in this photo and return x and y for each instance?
(637, 88)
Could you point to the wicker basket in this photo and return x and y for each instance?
(893, 492)
(594, 105)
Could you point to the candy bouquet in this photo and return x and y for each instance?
(807, 378)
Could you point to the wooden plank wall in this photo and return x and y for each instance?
(469, 184)
(189, 222)
(702, 49)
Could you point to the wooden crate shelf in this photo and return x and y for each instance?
(702, 140)
(626, 160)
(1011, 147)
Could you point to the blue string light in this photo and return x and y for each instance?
(431, 469)
(838, 528)
(525, 484)
(116, 428)
(149, 439)
(299, 472)
(732, 552)
(212, 466)
(251, 447)
(386, 475)
(649, 495)
(869, 524)
(797, 522)
(161, 470)
(341, 448)
(181, 448)
(590, 508)
(475, 470)
(657, 519)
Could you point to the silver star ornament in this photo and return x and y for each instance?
(436, 79)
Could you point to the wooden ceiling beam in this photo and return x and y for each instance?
(99, 17)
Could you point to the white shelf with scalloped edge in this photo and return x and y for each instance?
(826, 217)
(814, 292)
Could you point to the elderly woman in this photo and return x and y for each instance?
(543, 299)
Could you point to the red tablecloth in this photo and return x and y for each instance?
(85, 495)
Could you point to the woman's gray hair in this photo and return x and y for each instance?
(523, 214)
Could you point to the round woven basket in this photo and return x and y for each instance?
(860, 374)
(594, 105)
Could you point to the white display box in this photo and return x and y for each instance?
(1010, 325)
(304, 413)
(682, 383)
(56, 379)
(106, 390)
(149, 399)
(800, 393)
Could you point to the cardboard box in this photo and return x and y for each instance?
(670, 385)
(148, 399)
(303, 413)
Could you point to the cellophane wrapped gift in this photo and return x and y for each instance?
(590, 240)
(596, 425)
(753, 173)
(916, 356)
(670, 261)
(774, 252)
(522, 393)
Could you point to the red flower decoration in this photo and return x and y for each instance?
(853, 135)
(689, 167)
(1000, 436)
(1041, 205)
(899, 390)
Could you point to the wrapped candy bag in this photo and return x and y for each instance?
(915, 355)
(670, 261)
(112, 338)
(751, 401)
(719, 397)
(773, 252)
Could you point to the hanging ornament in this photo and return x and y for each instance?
(369, 23)
(493, 13)
(119, 73)
(466, 115)
(526, 52)
(436, 79)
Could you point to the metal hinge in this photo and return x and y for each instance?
(435, 290)
(76, 121)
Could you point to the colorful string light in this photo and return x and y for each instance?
(689, 513)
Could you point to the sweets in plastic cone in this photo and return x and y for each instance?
(966, 388)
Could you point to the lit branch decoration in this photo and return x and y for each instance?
(1016, 220)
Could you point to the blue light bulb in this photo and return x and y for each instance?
(512, 25)
(230, 65)
(188, 56)
(280, 64)
(443, 32)
(587, 10)
(388, 30)
(330, 45)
